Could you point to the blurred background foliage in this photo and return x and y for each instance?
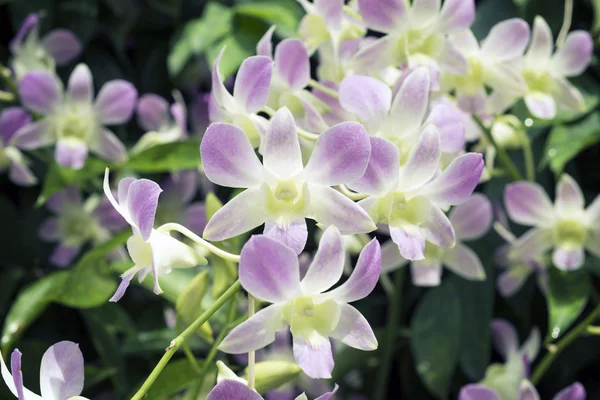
(161, 45)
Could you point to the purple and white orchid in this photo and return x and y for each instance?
(29, 52)
(230, 389)
(494, 64)
(73, 120)
(269, 271)
(250, 95)
(565, 227)
(11, 120)
(402, 120)
(411, 199)
(527, 391)
(77, 222)
(150, 249)
(281, 192)
(470, 220)
(162, 123)
(545, 73)
(61, 374)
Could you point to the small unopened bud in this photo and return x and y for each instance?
(508, 132)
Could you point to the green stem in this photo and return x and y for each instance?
(529, 161)
(195, 391)
(562, 344)
(179, 340)
(197, 239)
(593, 330)
(389, 346)
(501, 153)
(251, 354)
(189, 354)
(322, 88)
(566, 25)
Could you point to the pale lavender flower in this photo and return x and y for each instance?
(30, 53)
(269, 271)
(565, 227)
(411, 199)
(282, 192)
(417, 34)
(11, 120)
(545, 73)
(150, 249)
(250, 95)
(72, 119)
(470, 220)
(61, 374)
(495, 64)
(230, 389)
(527, 391)
(77, 222)
(162, 123)
(402, 120)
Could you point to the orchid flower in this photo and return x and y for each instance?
(11, 120)
(163, 124)
(565, 226)
(150, 249)
(494, 64)
(282, 192)
(29, 53)
(230, 389)
(417, 34)
(269, 271)
(545, 73)
(250, 95)
(506, 380)
(527, 391)
(77, 223)
(329, 22)
(73, 120)
(410, 199)
(402, 120)
(470, 220)
(516, 262)
(61, 374)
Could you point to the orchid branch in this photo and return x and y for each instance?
(322, 88)
(393, 319)
(501, 152)
(179, 340)
(197, 239)
(350, 194)
(563, 344)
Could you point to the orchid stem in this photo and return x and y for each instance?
(193, 392)
(579, 330)
(322, 88)
(566, 25)
(350, 194)
(179, 340)
(252, 354)
(197, 239)
(529, 161)
(593, 330)
(389, 346)
(502, 154)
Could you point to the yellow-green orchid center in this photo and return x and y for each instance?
(570, 232)
(412, 211)
(537, 81)
(74, 123)
(306, 317)
(286, 198)
(473, 80)
(433, 252)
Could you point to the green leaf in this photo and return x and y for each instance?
(167, 157)
(273, 374)
(565, 142)
(178, 375)
(189, 303)
(477, 306)
(88, 286)
(59, 177)
(30, 303)
(198, 35)
(596, 26)
(285, 14)
(212, 204)
(436, 329)
(567, 296)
